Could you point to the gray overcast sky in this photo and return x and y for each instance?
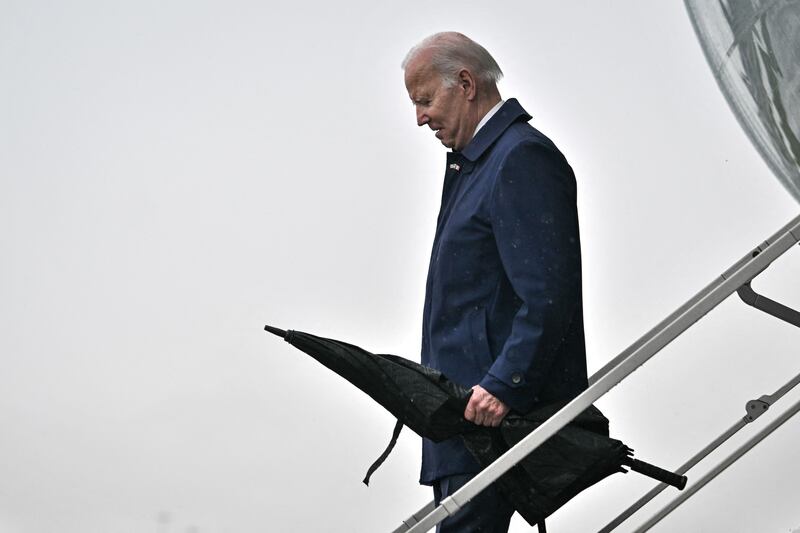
(175, 174)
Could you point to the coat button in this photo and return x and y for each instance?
(516, 378)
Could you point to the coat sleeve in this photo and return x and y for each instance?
(535, 225)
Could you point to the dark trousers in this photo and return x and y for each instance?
(488, 512)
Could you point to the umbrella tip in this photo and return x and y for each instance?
(275, 331)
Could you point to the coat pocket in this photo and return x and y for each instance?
(479, 340)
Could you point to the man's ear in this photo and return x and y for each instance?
(467, 83)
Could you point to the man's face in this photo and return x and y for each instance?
(443, 109)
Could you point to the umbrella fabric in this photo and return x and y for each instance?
(422, 398)
(576, 457)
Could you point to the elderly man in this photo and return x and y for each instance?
(503, 310)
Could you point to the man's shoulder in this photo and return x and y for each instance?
(524, 148)
(521, 134)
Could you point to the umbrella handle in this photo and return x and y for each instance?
(664, 476)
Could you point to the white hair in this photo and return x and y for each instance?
(451, 52)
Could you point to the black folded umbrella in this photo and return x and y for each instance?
(576, 457)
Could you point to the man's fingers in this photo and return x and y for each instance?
(483, 416)
(484, 409)
(469, 412)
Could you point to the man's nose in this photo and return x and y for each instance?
(422, 118)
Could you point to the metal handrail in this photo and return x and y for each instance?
(717, 470)
(753, 408)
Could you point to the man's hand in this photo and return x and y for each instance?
(484, 409)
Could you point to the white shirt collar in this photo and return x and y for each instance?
(487, 116)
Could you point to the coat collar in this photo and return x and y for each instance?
(510, 112)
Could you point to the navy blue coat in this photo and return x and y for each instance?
(503, 297)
